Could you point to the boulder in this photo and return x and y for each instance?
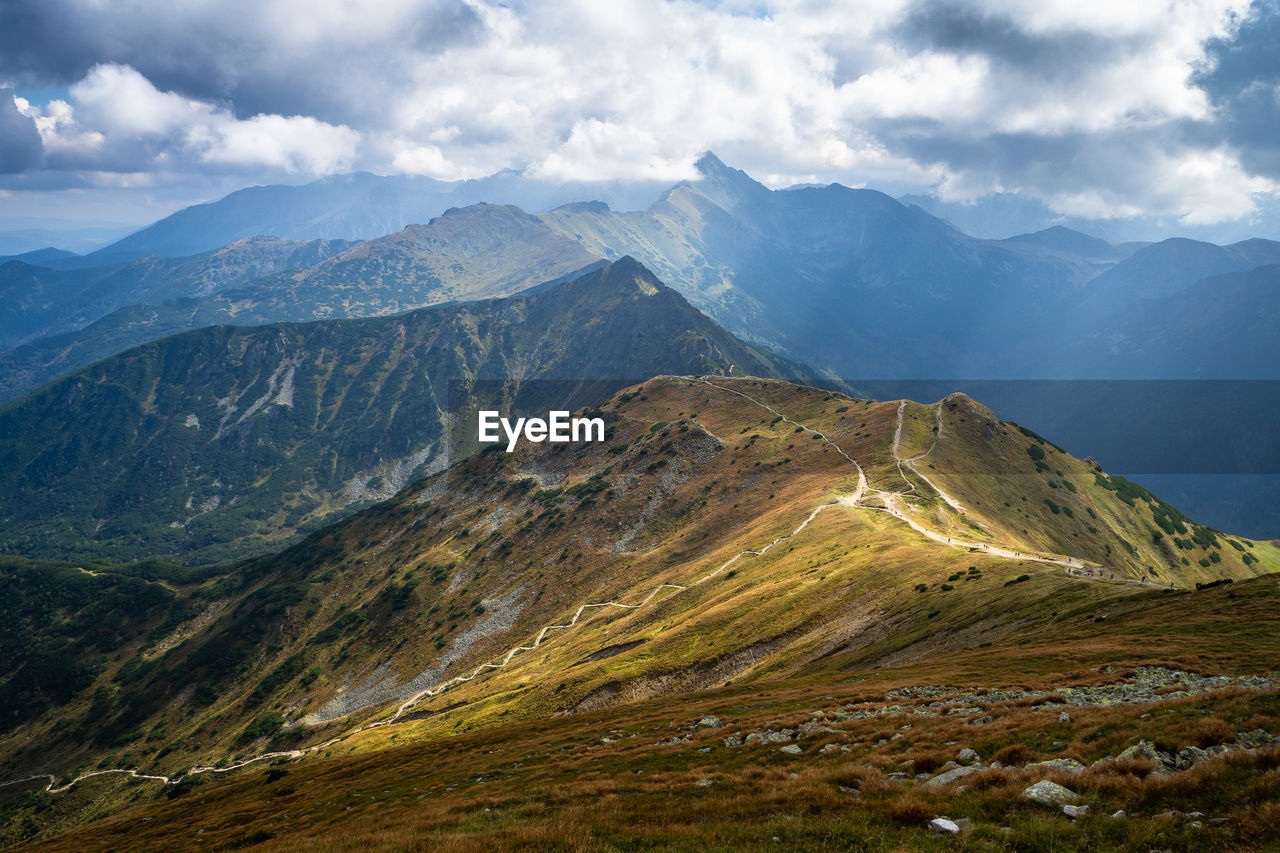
(1146, 749)
(1075, 811)
(950, 776)
(1254, 739)
(968, 756)
(943, 826)
(1191, 755)
(1048, 793)
(791, 749)
(709, 722)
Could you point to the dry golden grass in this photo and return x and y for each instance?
(1210, 732)
(835, 619)
(910, 809)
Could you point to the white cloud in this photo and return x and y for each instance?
(630, 89)
(118, 121)
(117, 99)
(1220, 187)
(292, 143)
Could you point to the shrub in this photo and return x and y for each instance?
(264, 725)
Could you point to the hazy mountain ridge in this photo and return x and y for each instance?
(1221, 326)
(1171, 266)
(471, 253)
(848, 279)
(358, 206)
(39, 301)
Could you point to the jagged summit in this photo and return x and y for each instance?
(718, 179)
(709, 164)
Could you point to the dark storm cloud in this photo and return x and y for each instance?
(930, 142)
(20, 146)
(239, 57)
(1042, 164)
(1243, 83)
(968, 30)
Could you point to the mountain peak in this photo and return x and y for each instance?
(724, 185)
(712, 168)
(708, 164)
(626, 276)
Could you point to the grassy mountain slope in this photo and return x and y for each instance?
(38, 301)
(647, 775)
(721, 534)
(229, 439)
(474, 252)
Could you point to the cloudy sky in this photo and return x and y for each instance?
(1104, 109)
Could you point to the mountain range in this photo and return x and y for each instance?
(733, 537)
(470, 253)
(273, 590)
(38, 301)
(231, 439)
(855, 282)
(357, 206)
(851, 282)
(813, 272)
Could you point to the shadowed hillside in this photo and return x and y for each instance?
(229, 440)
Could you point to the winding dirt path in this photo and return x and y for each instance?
(911, 462)
(857, 500)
